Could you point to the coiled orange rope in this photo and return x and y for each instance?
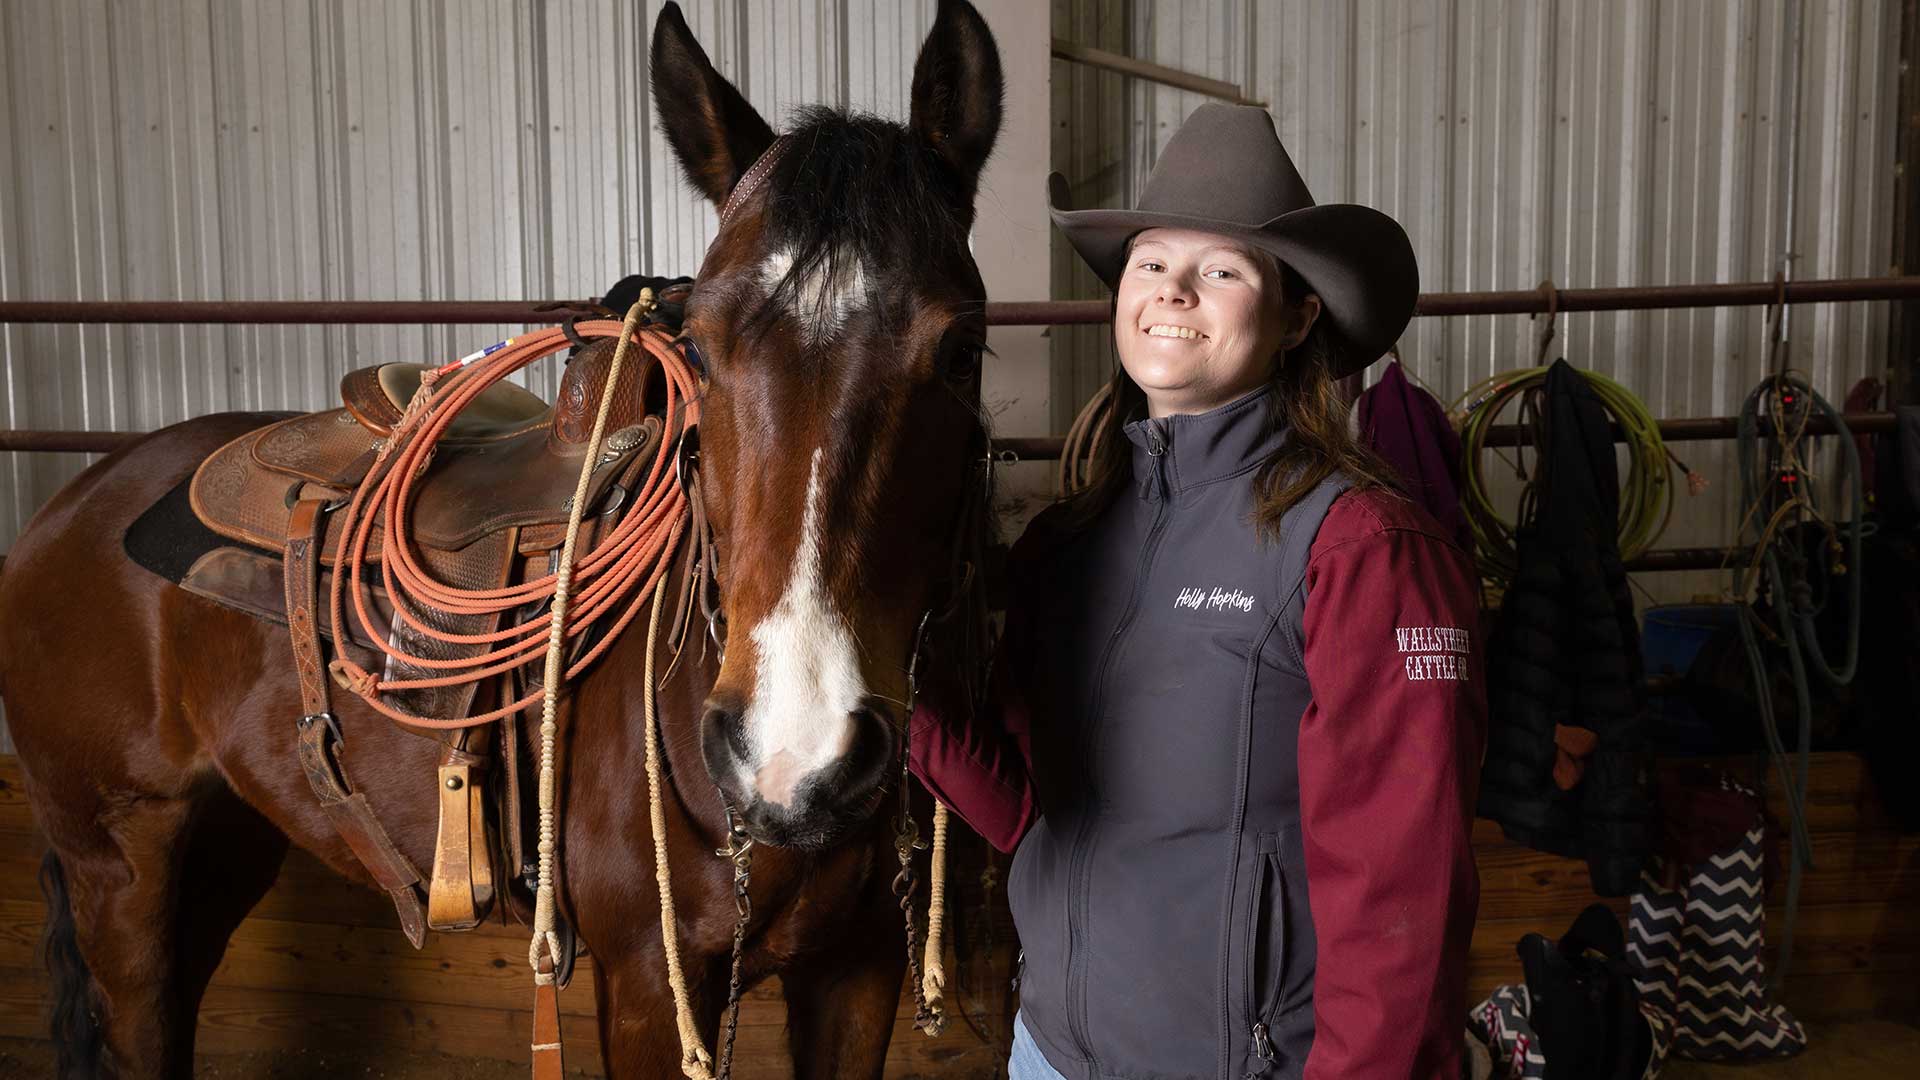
(615, 577)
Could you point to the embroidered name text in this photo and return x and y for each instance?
(1215, 599)
(1436, 652)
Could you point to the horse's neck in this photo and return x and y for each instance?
(613, 720)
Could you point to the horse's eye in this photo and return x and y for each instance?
(963, 360)
(692, 352)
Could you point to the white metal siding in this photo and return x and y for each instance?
(1593, 142)
(351, 149)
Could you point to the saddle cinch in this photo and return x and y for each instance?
(490, 511)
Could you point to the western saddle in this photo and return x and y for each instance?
(490, 511)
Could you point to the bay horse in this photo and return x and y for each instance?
(840, 319)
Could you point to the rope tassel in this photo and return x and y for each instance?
(934, 983)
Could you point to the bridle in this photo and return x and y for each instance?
(703, 586)
(703, 592)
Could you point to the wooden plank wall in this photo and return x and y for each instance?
(320, 963)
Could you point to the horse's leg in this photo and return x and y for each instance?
(842, 1001)
(639, 1034)
(121, 884)
(144, 891)
(232, 858)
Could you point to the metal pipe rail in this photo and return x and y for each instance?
(1074, 52)
(1047, 448)
(1004, 313)
(999, 313)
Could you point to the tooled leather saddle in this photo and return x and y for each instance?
(491, 510)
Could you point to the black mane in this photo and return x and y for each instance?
(857, 186)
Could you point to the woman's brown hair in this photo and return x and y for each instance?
(1305, 399)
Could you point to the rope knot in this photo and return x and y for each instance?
(354, 679)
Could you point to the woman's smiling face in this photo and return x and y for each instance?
(1201, 320)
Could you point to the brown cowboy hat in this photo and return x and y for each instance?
(1225, 172)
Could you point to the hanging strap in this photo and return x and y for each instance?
(320, 740)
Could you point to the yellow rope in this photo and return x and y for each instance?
(695, 1062)
(543, 902)
(934, 982)
(1081, 449)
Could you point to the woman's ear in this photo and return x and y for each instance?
(1300, 320)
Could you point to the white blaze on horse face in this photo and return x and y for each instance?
(807, 680)
(824, 296)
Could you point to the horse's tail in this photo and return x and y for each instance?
(78, 1044)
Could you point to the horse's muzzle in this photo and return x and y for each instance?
(788, 805)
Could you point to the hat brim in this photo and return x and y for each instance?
(1357, 259)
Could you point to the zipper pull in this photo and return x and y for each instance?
(1157, 450)
(1262, 1045)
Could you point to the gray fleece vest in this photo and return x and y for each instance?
(1161, 898)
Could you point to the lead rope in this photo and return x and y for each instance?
(695, 1062)
(929, 999)
(934, 983)
(544, 950)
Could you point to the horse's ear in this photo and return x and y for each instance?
(957, 89)
(715, 133)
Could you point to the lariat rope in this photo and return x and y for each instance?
(611, 580)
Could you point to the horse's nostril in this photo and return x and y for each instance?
(877, 710)
(876, 748)
(722, 741)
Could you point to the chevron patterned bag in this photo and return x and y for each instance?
(1577, 1016)
(1696, 949)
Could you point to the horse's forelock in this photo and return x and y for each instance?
(858, 202)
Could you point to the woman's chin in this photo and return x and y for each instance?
(1158, 377)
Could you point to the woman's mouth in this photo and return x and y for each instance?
(1168, 330)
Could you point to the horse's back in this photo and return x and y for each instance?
(82, 627)
(118, 488)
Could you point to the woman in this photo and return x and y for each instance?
(1238, 707)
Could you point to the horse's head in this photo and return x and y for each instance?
(840, 317)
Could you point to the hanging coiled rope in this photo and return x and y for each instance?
(1082, 446)
(1778, 497)
(1646, 494)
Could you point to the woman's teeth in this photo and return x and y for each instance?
(1174, 332)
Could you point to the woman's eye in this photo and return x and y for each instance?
(1151, 265)
(1222, 273)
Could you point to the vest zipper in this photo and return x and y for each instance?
(1263, 1000)
(1078, 879)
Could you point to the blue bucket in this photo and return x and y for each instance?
(1671, 637)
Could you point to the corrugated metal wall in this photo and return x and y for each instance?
(310, 149)
(351, 149)
(1624, 142)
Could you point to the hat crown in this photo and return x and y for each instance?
(1226, 163)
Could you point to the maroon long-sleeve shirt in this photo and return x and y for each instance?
(1388, 759)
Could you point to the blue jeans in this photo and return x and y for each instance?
(1026, 1062)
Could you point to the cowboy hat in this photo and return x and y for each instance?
(1225, 172)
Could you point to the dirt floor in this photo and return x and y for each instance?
(1854, 1050)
